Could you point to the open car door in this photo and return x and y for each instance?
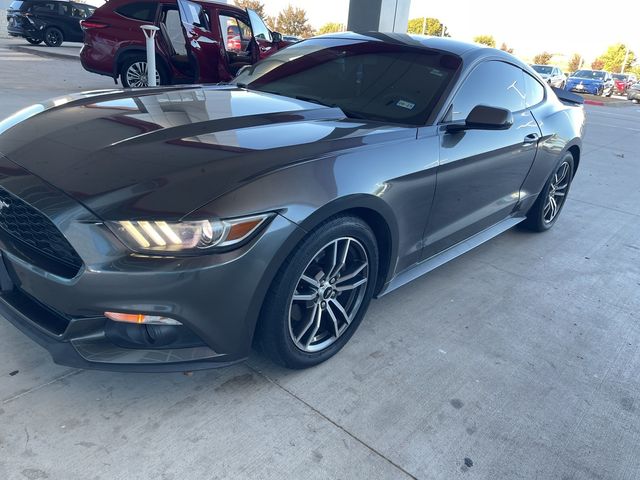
(202, 44)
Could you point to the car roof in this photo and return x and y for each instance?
(456, 47)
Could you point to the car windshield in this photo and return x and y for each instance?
(619, 76)
(542, 69)
(589, 74)
(366, 79)
(15, 5)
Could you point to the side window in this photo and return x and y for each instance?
(48, 7)
(64, 9)
(236, 34)
(193, 14)
(142, 11)
(260, 30)
(494, 84)
(533, 90)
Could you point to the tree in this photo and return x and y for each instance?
(597, 64)
(432, 26)
(616, 59)
(487, 40)
(505, 48)
(542, 58)
(331, 27)
(255, 5)
(575, 63)
(294, 21)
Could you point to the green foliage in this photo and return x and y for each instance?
(294, 21)
(487, 40)
(614, 58)
(331, 27)
(255, 5)
(574, 63)
(542, 58)
(433, 26)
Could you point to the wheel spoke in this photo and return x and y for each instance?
(312, 318)
(351, 286)
(341, 309)
(342, 260)
(316, 326)
(352, 274)
(304, 297)
(334, 320)
(311, 281)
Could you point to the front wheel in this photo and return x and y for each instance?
(545, 211)
(53, 37)
(320, 294)
(133, 73)
(33, 41)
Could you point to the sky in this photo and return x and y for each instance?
(529, 28)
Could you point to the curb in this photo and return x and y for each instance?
(614, 104)
(594, 102)
(44, 53)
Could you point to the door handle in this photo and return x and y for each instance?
(531, 138)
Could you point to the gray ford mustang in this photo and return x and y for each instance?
(171, 228)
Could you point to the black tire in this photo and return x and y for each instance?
(536, 217)
(275, 333)
(139, 60)
(53, 37)
(33, 41)
(610, 92)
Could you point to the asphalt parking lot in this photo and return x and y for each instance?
(516, 360)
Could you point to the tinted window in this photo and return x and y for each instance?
(533, 90)
(193, 14)
(388, 82)
(236, 34)
(589, 74)
(542, 68)
(494, 84)
(65, 9)
(44, 7)
(260, 30)
(143, 11)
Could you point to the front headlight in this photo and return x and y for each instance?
(186, 237)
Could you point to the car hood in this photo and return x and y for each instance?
(163, 153)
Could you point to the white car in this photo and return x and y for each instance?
(552, 75)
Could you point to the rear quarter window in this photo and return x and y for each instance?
(534, 92)
(141, 11)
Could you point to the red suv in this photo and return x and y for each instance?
(199, 41)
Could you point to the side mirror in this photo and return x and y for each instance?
(276, 36)
(484, 118)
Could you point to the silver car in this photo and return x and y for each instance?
(552, 75)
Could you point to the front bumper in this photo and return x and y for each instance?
(216, 297)
(584, 88)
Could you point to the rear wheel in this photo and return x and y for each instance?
(545, 211)
(321, 294)
(133, 73)
(53, 37)
(33, 41)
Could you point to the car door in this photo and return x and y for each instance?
(202, 44)
(481, 171)
(262, 35)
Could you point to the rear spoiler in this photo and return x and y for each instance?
(568, 97)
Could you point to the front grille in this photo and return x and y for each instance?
(30, 227)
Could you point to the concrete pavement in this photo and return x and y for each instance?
(517, 360)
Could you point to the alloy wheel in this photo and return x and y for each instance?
(53, 37)
(328, 294)
(557, 192)
(137, 75)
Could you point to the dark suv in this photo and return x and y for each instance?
(51, 22)
(201, 41)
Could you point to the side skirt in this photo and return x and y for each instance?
(449, 254)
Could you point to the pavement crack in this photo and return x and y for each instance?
(332, 422)
(38, 387)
